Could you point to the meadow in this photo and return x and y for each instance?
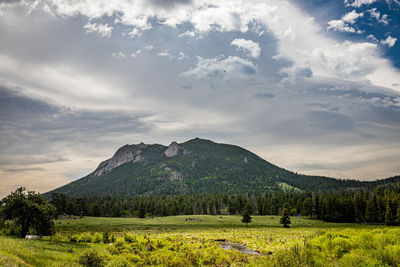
(193, 241)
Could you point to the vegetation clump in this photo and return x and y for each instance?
(92, 258)
(285, 219)
(28, 211)
(246, 218)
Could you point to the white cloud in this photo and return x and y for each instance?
(358, 3)
(248, 45)
(343, 24)
(149, 47)
(182, 55)
(384, 19)
(166, 53)
(119, 54)
(390, 41)
(138, 52)
(389, 2)
(377, 15)
(363, 57)
(230, 67)
(372, 37)
(299, 36)
(187, 34)
(352, 16)
(103, 29)
(58, 84)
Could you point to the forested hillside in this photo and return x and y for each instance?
(380, 206)
(196, 167)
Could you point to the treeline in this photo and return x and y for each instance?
(372, 207)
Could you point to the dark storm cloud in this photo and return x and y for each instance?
(30, 126)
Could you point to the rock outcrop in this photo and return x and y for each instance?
(174, 149)
(125, 154)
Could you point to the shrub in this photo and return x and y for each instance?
(129, 238)
(353, 260)
(106, 238)
(119, 262)
(97, 238)
(91, 258)
(85, 238)
(10, 228)
(74, 238)
(341, 246)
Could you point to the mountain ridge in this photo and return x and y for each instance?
(196, 166)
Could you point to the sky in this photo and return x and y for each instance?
(309, 85)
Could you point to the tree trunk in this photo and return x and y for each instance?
(24, 229)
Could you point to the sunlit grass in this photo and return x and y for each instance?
(178, 241)
(181, 223)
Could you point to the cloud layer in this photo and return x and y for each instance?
(81, 78)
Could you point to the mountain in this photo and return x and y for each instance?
(195, 167)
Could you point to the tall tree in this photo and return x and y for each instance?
(59, 200)
(285, 219)
(30, 211)
(308, 206)
(391, 210)
(246, 218)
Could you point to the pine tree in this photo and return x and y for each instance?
(371, 210)
(285, 219)
(246, 218)
(390, 214)
(308, 206)
(398, 216)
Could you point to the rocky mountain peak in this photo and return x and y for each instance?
(124, 154)
(173, 150)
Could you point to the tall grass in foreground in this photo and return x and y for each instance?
(157, 242)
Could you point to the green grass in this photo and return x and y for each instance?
(180, 223)
(175, 241)
(23, 252)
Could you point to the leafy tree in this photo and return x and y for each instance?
(246, 218)
(29, 211)
(285, 219)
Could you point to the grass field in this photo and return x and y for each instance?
(178, 241)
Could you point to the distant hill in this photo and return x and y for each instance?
(195, 167)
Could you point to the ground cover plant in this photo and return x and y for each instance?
(192, 241)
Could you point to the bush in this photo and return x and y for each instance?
(129, 238)
(106, 238)
(354, 260)
(119, 262)
(10, 228)
(97, 238)
(73, 238)
(91, 258)
(85, 238)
